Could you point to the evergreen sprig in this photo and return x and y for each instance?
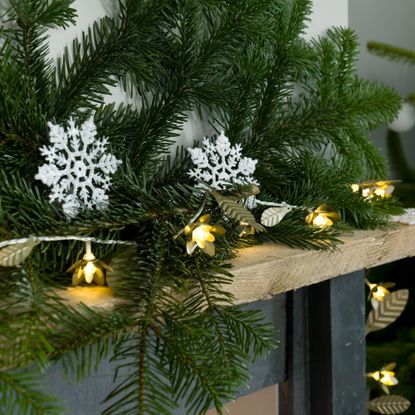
(296, 106)
(392, 52)
(22, 393)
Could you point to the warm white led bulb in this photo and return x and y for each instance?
(388, 378)
(380, 192)
(202, 234)
(322, 222)
(89, 272)
(367, 193)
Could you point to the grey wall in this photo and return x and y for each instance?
(389, 21)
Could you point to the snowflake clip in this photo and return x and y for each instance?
(219, 165)
(78, 167)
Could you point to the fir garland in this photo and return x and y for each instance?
(295, 106)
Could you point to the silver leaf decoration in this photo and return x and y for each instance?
(274, 215)
(14, 255)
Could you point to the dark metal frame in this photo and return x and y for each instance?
(326, 349)
(320, 362)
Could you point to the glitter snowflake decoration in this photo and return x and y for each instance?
(78, 167)
(218, 165)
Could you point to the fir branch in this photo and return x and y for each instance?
(49, 13)
(33, 209)
(249, 330)
(193, 361)
(391, 52)
(110, 50)
(187, 332)
(347, 45)
(371, 104)
(157, 125)
(94, 58)
(295, 233)
(277, 88)
(33, 18)
(22, 306)
(157, 399)
(297, 23)
(83, 337)
(145, 299)
(20, 392)
(118, 122)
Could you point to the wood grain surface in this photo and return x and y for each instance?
(266, 270)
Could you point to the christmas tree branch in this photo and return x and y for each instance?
(391, 52)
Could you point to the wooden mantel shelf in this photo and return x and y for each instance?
(266, 270)
(263, 271)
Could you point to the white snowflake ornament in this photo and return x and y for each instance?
(219, 165)
(78, 167)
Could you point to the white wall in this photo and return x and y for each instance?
(328, 13)
(88, 11)
(389, 21)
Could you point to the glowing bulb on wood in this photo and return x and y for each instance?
(322, 217)
(201, 234)
(245, 229)
(322, 222)
(375, 188)
(89, 269)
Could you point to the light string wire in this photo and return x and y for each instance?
(65, 238)
(273, 204)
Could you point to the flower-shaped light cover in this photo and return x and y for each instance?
(245, 229)
(322, 217)
(201, 234)
(373, 188)
(385, 377)
(89, 269)
(378, 292)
